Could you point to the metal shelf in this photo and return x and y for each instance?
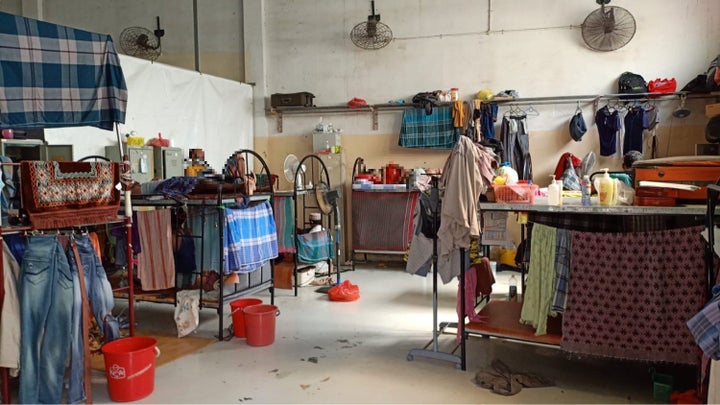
(279, 112)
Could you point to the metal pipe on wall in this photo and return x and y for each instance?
(195, 36)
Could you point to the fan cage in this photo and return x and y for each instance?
(371, 34)
(140, 42)
(608, 28)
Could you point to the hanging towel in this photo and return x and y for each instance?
(458, 113)
(156, 263)
(283, 211)
(250, 238)
(538, 295)
(434, 131)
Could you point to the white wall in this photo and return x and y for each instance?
(191, 109)
(443, 44)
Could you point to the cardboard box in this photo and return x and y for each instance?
(712, 110)
(284, 275)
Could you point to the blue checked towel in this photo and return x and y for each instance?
(434, 131)
(250, 238)
(314, 246)
(56, 76)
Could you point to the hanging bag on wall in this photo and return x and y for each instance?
(631, 83)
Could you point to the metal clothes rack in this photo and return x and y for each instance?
(438, 328)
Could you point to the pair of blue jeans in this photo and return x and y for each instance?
(45, 289)
(100, 295)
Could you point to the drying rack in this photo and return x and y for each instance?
(439, 328)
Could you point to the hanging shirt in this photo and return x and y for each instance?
(608, 124)
(635, 124)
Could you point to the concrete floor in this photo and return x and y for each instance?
(332, 352)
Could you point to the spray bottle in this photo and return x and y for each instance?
(606, 189)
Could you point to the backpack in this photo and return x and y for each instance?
(631, 83)
(427, 100)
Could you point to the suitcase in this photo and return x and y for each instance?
(301, 99)
(694, 170)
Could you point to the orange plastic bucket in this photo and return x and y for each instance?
(260, 324)
(130, 367)
(238, 317)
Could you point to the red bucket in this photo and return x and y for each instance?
(238, 317)
(130, 367)
(260, 324)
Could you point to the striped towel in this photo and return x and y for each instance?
(283, 211)
(250, 238)
(156, 263)
(434, 131)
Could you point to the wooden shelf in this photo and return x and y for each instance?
(503, 321)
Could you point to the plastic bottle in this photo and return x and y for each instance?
(585, 188)
(454, 94)
(554, 193)
(606, 189)
(512, 291)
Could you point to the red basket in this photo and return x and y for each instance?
(515, 193)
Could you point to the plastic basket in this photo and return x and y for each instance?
(515, 193)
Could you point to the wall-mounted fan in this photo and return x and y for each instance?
(292, 174)
(608, 28)
(141, 42)
(371, 34)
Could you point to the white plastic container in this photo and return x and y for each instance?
(606, 189)
(554, 193)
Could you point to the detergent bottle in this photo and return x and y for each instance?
(606, 189)
(554, 192)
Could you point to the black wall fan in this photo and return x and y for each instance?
(608, 28)
(141, 42)
(371, 34)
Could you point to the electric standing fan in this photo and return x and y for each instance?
(294, 173)
(608, 28)
(327, 201)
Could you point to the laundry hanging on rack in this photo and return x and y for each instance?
(10, 314)
(45, 289)
(434, 131)
(516, 143)
(636, 121)
(609, 125)
(250, 238)
(156, 262)
(467, 173)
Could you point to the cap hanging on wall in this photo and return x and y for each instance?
(578, 128)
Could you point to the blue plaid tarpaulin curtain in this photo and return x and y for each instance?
(54, 76)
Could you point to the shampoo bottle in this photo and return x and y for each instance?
(606, 189)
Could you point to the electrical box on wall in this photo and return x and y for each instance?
(168, 162)
(141, 161)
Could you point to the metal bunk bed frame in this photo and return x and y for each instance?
(220, 203)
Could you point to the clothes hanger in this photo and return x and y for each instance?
(531, 111)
